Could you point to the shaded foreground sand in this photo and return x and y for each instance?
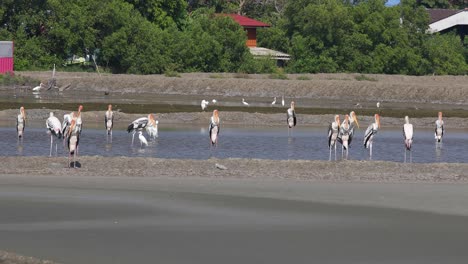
(343, 171)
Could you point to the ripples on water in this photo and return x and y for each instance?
(234, 142)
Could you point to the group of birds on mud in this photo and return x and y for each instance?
(338, 132)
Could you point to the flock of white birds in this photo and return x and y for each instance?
(338, 132)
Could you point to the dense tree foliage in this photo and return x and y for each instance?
(155, 36)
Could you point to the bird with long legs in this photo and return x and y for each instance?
(333, 131)
(408, 136)
(152, 127)
(79, 121)
(137, 125)
(73, 139)
(343, 137)
(439, 129)
(353, 123)
(21, 123)
(214, 128)
(349, 129)
(109, 120)
(142, 139)
(274, 101)
(55, 129)
(291, 117)
(370, 133)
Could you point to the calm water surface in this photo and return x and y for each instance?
(192, 142)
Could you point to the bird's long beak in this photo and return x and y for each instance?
(355, 120)
(378, 121)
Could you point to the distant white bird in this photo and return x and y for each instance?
(55, 129)
(408, 136)
(378, 104)
(214, 101)
(282, 100)
(371, 131)
(109, 120)
(38, 88)
(244, 102)
(274, 101)
(291, 117)
(137, 126)
(204, 104)
(439, 130)
(21, 123)
(333, 130)
(142, 139)
(214, 128)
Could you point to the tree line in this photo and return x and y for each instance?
(158, 36)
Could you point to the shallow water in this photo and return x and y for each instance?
(192, 142)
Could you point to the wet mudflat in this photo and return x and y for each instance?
(129, 220)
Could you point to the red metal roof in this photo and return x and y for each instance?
(246, 22)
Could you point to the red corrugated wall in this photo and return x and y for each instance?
(6, 65)
(6, 56)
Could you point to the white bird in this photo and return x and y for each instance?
(352, 119)
(21, 123)
(344, 135)
(109, 120)
(73, 138)
(55, 129)
(291, 117)
(204, 104)
(79, 121)
(378, 104)
(371, 131)
(282, 100)
(38, 88)
(214, 128)
(408, 136)
(152, 127)
(274, 101)
(142, 139)
(214, 101)
(439, 130)
(333, 130)
(244, 102)
(137, 125)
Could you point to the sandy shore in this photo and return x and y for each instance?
(343, 171)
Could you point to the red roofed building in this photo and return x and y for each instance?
(250, 26)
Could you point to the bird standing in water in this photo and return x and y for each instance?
(21, 123)
(214, 128)
(55, 129)
(439, 130)
(333, 131)
(370, 133)
(408, 136)
(291, 117)
(109, 120)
